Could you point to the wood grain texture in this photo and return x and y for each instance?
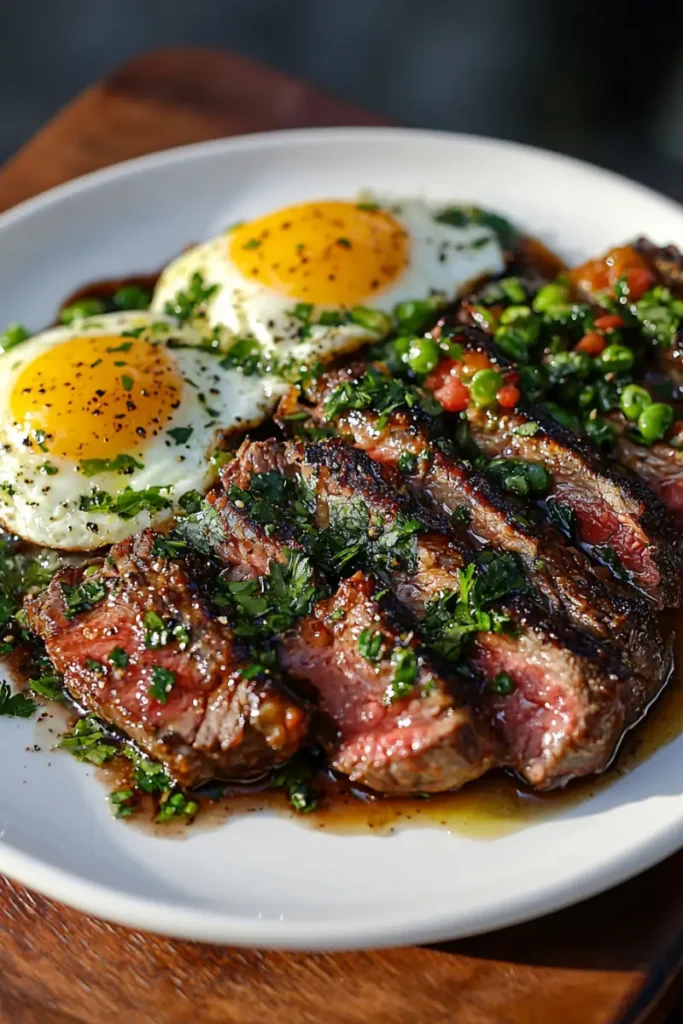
(587, 964)
(169, 98)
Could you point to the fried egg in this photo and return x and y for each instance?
(105, 423)
(276, 278)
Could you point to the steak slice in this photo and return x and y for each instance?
(415, 735)
(423, 740)
(617, 518)
(571, 698)
(660, 466)
(214, 722)
(563, 575)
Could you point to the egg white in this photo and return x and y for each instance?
(444, 260)
(44, 508)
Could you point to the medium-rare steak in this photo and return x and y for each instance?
(408, 442)
(390, 719)
(615, 518)
(138, 646)
(538, 665)
(399, 727)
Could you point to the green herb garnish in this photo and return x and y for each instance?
(124, 464)
(88, 742)
(15, 705)
(163, 681)
(190, 303)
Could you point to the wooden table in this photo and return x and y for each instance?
(610, 959)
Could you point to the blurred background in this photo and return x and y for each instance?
(602, 81)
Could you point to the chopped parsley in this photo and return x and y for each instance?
(563, 518)
(82, 597)
(407, 462)
(163, 681)
(370, 644)
(15, 705)
(50, 685)
(124, 803)
(168, 546)
(379, 392)
(190, 303)
(119, 464)
(95, 666)
(181, 435)
(176, 806)
(404, 661)
(21, 573)
(126, 503)
(296, 778)
(118, 657)
(456, 615)
(126, 382)
(88, 742)
(149, 775)
(159, 633)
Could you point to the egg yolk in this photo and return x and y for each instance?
(329, 253)
(96, 397)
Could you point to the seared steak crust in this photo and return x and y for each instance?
(563, 575)
(214, 723)
(565, 667)
(429, 740)
(612, 510)
(425, 741)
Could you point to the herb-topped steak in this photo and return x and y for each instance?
(472, 609)
(374, 412)
(138, 646)
(390, 719)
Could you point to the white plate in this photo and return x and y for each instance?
(260, 879)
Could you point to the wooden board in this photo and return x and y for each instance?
(610, 959)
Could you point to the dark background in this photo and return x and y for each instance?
(603, 81)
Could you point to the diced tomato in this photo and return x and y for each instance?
(601, 275)
(591, 343)
(639, 279)
(473, 361)
(508, 396)
(453, 395)
(609, 322)
(445, 369)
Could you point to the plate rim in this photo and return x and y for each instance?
(166, 918)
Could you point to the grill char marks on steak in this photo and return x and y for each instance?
(612, 510)
(214, 724)
(573, 697)
(561, 573)
(666, 262)
(429, 740)
(423, 742)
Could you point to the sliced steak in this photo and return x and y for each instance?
(617, 518)
(419, 735)
(563, 575)
(423, 741)
(213, 723)
(584, 688)
(660, 466)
